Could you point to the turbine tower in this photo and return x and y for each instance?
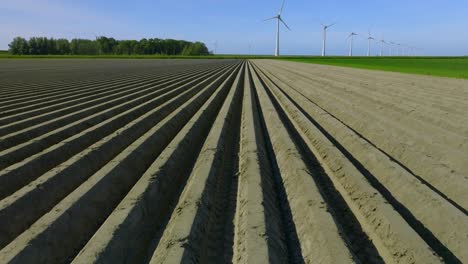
(325, 27)
(369, 39)
(278, 20)
(382, 42)
(215, 46)
(351, 38)
(391, 48)
(404, 50)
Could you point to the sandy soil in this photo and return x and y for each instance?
(228, 161)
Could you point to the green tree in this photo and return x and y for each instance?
(84, 47)
(42, 46)
(51, 46)
(19, 46)
(154, 46)
(63, 46)
(106, 45)
(33, 46)
(195, 49)
(126, 47)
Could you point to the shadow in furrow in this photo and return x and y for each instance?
(288, 227)
(215, 245)
(188, 155)
(425, 233)
(403, 166)
(82, 218)
(358, 241)
(17, 178)
(24, 119)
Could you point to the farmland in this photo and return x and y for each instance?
(243, 161)
(455, 67)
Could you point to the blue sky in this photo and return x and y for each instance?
(440, 27)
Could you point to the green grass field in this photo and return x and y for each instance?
(455, 67)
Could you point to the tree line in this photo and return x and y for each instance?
(105, 46)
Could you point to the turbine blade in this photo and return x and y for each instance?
(282, 7)
(331, 25)
(284, 23)
(275, 17)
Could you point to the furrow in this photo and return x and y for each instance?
(60, 126)
(318, 234)
(26, 88)
(93, 90)
(69, 85)
(313, 107)
(18, 174)
(194, 232)
(61, 110)
(393, 237)
(419, 89)
(445, 223)
(90, 90)
(229, 161)
(258, 234)
(81, 213)
(410, 151)
(378, 90)
(143, 213)
(404, 125)
(52, 186)
(24, 102)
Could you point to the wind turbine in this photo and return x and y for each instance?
(403, 49)
(278, 20)
(215, 45)
(382, 42)
(398, 49)
(325, 27)
(391, 48)
(369, 39)
(351, 37)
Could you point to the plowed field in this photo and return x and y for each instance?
(220, 161)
